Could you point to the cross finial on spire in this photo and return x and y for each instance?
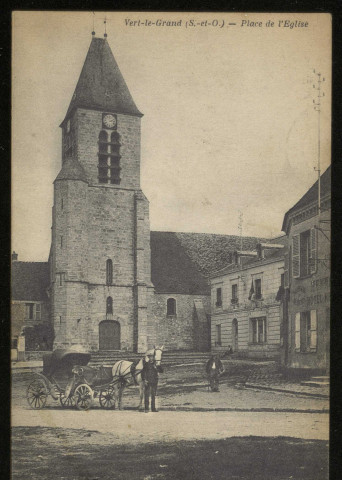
(105, 26)
(93, 32)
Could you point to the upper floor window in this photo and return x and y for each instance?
(234, 293)
(29, 311)
(281, 289)
(219, 297)
(171, 307)
(109, 272)
(258, 292)
(109, 305)
(304, 253)
(218, 340)
(33, 311)
(109, 158)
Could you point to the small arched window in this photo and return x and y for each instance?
(171, 307)
(109, 305)
(109, 272)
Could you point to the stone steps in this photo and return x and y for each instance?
(312, 383)
(169, 358)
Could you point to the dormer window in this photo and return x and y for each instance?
(68, 126)
(109, 158)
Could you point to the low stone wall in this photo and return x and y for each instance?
(35, 355)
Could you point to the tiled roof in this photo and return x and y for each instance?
(269, 254)
(181, 262)
(30, 281)
(311, 195)
(72, 170)
(101, 84)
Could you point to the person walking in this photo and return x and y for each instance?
(214, 369)
(149, 374)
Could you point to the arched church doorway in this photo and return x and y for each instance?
(235, 335)
(109, 335)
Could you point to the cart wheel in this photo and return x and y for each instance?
(107, 398)
(83, 397)
(66, 401)
(36, 394)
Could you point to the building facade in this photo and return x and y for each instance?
(246, 302)
(30, 305)
(307, 280)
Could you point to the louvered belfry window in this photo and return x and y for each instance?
(109, 158)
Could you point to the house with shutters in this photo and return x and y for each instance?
(246, 302)
(306, 328)
(112, 283)
(30, 306)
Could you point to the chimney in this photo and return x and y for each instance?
(261, 247)
(239, 254)
(14, 256)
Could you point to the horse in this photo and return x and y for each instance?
(126, 373)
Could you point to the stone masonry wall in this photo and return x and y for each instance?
(91, 224)
(179, 332)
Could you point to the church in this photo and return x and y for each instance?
(110, 283)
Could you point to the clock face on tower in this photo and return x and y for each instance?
(109, 120)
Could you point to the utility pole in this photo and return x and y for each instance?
(240, 227)
(317, 107)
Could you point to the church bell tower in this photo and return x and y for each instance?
(100, 253)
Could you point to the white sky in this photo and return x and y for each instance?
(228, 120)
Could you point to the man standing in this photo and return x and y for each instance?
(149, 374)
(214, 369)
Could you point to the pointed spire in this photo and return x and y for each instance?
(101, 85)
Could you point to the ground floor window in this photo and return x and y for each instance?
(306, 331)
(257, 330)
(218, 335)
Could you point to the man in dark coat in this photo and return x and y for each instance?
(214, 369)
(149, 374)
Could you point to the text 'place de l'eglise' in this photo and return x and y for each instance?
(112, 284)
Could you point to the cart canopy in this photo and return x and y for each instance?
(63, 360)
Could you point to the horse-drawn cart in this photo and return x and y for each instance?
(67, 377)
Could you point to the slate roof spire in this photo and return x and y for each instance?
(101, 85)
(72, 170)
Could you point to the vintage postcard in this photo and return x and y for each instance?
(171, 194)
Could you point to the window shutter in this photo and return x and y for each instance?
(313, 329)
(286, 270)
(295, 256)
(313, 251)
(250, 330)
(297, 332)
